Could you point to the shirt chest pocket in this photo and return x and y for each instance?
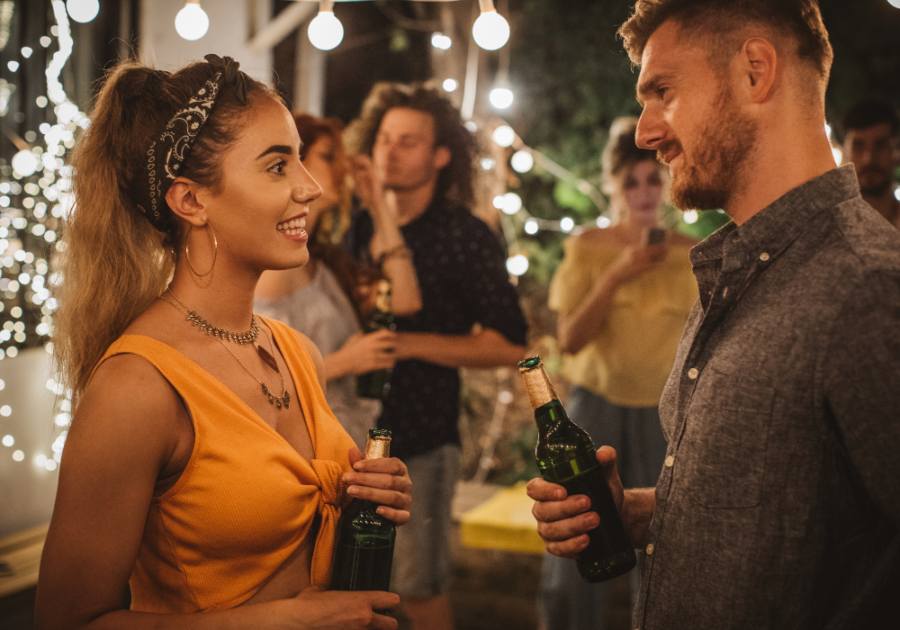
(723, 451)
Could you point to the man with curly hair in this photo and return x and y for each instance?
(778, 505)
(470, 317)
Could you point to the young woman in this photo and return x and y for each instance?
(623, 295)
(325, 298)
(203, 467)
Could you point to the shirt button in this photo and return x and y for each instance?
(650, 549)
(693, 373)
(764, 256)
(670, 461)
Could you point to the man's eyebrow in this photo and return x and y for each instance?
(650, 85)
(277, 148)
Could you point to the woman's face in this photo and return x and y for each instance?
(641, 192)
(259, 215)
(320, 163)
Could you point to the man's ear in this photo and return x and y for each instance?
(442, 157)
(759, 69)
(183, 199)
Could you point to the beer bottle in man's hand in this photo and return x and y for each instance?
(377, 383)
(364, 550)
(566, 455)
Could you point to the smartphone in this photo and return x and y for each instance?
(656, 236)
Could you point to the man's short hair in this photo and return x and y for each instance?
(719, 21)
(456, 179)
(871, 112)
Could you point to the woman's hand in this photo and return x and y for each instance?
(363, 353)
(345, 610)
(384, 481)
(637, 259)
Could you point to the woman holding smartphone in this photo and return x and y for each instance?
(623, 295)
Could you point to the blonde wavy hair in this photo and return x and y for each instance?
(113, 263)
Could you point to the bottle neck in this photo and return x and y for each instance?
(378, 448)
(540, 390)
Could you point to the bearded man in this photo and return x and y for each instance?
(779, 501)
(872, 145)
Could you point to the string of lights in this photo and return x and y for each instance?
(34, 195)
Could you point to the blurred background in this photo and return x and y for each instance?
(541, 105)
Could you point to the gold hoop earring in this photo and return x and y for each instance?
(187, 251)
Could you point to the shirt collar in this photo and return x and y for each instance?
(771, 230)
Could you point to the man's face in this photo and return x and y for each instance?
(692, 120)
(404, 153)
(874, 154)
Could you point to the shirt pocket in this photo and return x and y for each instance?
(729, 422)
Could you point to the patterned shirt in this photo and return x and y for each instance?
(779, 501)
(462, 276)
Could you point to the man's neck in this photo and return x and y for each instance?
(412, 203)
(886, 205)
(778, 170)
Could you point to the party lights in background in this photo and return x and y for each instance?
(34, 194)
(192, 23)
(326, 31)
(491, 30)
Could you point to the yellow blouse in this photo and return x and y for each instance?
(629, 360)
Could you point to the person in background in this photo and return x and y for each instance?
(623, 295)
(325, 299)
(203, 468)
(872, 144)
(470, 316)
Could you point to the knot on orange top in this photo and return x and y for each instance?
(331, 488)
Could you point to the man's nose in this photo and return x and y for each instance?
(650, 130)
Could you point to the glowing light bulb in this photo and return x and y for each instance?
(603, 222)
(192, 23)
(83, 10)
(531, 226)
(491, 30)
(501, 98)
(504, 136)
(894, 3)
(512, 203)
(326, 31)
(517, 265)
(450, 85)
(522, 161)
(567, 224)
(690, 216)
(25, 163)
(498, 202)
(441, 41)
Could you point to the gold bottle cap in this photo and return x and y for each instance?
(383, 299)
(378, 446)
(537, 383)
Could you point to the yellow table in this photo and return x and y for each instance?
(503, 522)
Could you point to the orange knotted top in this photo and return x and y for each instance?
(247, 499)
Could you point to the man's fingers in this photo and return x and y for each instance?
(541, 490)
(569, 548)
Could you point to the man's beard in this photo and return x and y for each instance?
(878, 188)
(715, 170)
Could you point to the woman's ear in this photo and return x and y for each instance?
(185, 201)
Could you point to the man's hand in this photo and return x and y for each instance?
(563, 521)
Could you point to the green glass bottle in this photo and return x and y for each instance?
(364, 550)
(566, 455)
(377, 384)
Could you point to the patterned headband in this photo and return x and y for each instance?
(166, 156)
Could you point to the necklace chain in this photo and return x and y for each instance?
(239, 338)
(280, 402)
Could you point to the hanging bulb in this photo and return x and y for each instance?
(501, 97)
(522, 161)
(504, 136)
(83, 10)
(192, 23)
(325, 30)
(517, 265)
(491, 30)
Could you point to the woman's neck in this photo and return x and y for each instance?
(221, 298)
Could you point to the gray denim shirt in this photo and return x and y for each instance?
(779, 500)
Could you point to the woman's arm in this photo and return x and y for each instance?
(576, 328)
